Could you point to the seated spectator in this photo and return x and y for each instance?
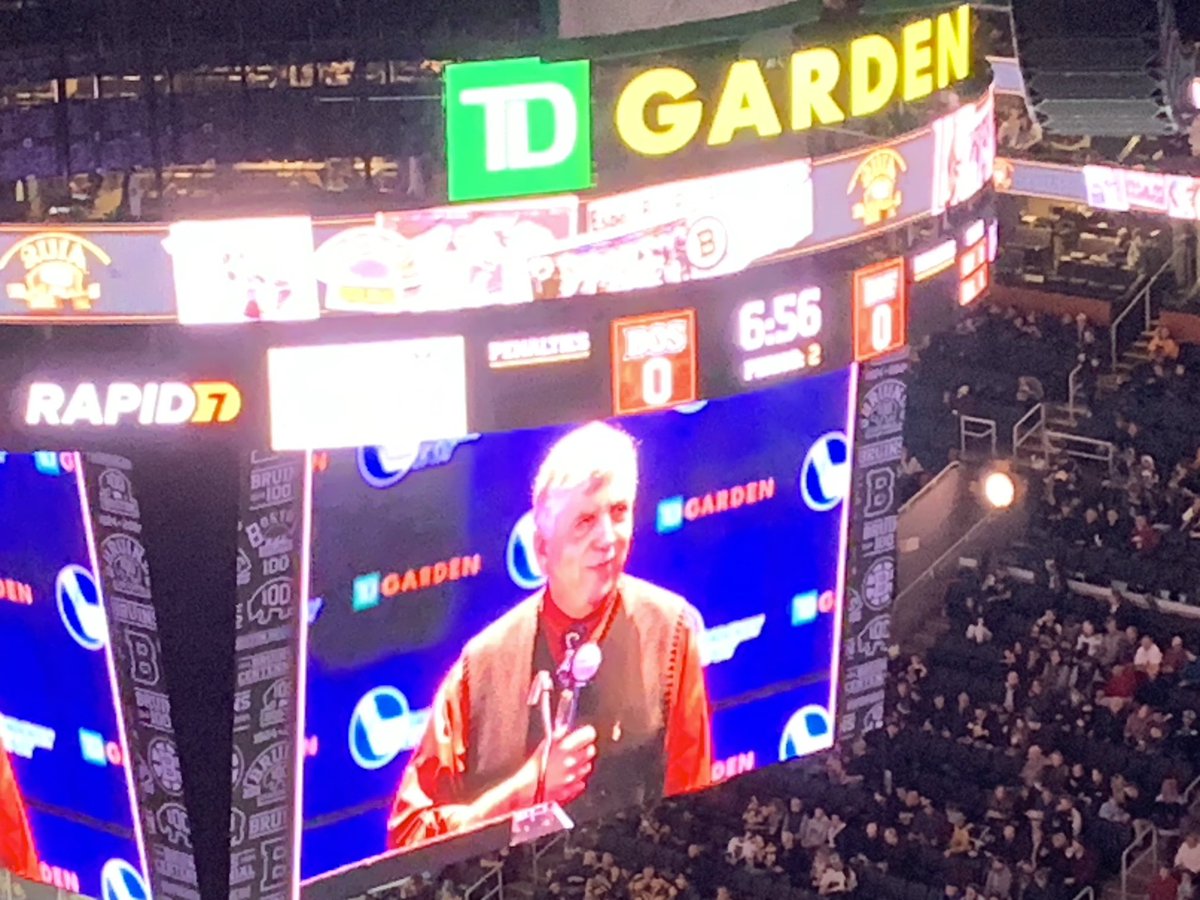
(895, 857)
(1082, 865)
(1035, 762)
(865, 844)
(978, 632)
(834, 879)
(1149, 657)
(1120, 689)
(1145, 538)
(833, 837)
(1140, 725)
(1088, 642)
(814, 829)
(735, 850)
(960, 840)
(1163, 347)
(1176, 656)
(1187, 857)
(999, 881)
(1169, 806)
(1039, 887)
(1164, 886)
(1113, 810)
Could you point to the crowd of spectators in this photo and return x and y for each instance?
(1017, 758)
(996, 364)
(1138, 524)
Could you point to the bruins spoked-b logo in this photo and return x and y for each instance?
(57, 273)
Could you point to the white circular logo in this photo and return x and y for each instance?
(879, 583)
(807, 731)
(825, 475)
(707, 243)
(381, 728)
(382, 467)
(79, 607)
(164, 762)
(523, 566)
(121, 881)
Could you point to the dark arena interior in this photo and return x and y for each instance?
(599, 450)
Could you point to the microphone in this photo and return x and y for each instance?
(539, 696)
(578, 669)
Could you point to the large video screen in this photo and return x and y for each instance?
(545, 625)
(66, 803)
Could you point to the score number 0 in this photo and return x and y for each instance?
(658, 381)
(880, 309)
(883, 328)
(654, 361)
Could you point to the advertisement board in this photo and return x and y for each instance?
(447, 258)
(691, 110)
(516, 127)
(1103, 187)
(881, 407)
(244, 270)
(68, 808)
(481, 576)
(122, 569)
(271, 537)
(418, 259)
(82, 274)
(355, 380)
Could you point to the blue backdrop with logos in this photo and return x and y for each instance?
(58, 720)
(764, 575)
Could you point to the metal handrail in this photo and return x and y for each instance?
(540, 848)
(1088, 893)
(1140, 830)
(1189, 791)
(496, 875)
(936, 479)
(989, 431)
(1100, 451)
(1038, 413)
(1073, 387)
(1142, 297)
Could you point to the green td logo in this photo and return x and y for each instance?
(517, 127)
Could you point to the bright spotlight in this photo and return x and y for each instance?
(1194, 93)
(999, 490)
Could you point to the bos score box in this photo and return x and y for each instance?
(654, 361)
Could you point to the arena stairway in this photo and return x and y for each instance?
(1061, 421)
(1133, 357)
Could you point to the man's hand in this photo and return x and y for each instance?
(569, 764)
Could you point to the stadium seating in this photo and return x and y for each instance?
(971, 746)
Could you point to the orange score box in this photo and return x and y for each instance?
(880, 309)
(654, 361)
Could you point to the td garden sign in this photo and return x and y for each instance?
(522, 126)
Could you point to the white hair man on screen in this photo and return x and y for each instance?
(638, 724)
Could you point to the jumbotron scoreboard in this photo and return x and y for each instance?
(385, 389)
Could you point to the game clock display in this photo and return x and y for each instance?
(781, 336)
